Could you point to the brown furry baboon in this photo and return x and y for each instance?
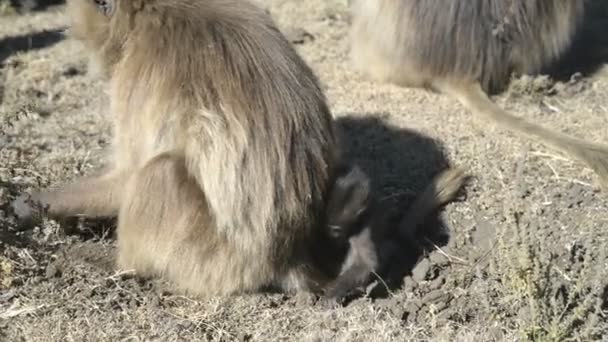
(469, 48)
(354, 219)
(223, 145)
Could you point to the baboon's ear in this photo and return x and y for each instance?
(105, 7)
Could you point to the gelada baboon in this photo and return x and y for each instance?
(355, 219)
(224, 146)
(469, 48)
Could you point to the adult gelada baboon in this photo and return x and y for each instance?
(223, 145)
(468, 48)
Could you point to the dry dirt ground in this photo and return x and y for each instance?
(525, 257)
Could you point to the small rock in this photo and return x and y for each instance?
(497, 333)
(439, 306)
(414, 306)
(297, 35)
(133, 303)
(422, 316)
(156, 302)
(438, 259)
(435, 297)
(91, 292)
(6, 296)
(420, 271)
(245, 337)
(437, 283)
(442, 318)
(53, 270)
(186, 325)
(411, 312)
(391, 305)
(409, 284)
(72, 71)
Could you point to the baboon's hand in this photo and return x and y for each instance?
(336, 295)
(329, 302)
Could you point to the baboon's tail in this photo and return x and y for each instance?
(443, 189)
(475, 99)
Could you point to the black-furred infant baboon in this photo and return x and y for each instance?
(223, 148)
(355, 219)
(468, 48)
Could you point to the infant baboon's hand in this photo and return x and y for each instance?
(329, 302)
(335, 296)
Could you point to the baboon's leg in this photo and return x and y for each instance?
(165, 229)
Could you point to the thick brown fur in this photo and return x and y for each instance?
(223, 145)
(355, 219)
(469, 48)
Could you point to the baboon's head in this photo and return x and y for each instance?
(348, 203)
(103, 26)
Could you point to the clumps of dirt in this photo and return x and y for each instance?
(543, 85)
(428, 296)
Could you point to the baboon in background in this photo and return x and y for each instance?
(223, 146)
(469, 48)
(34, 5)
(355, 220)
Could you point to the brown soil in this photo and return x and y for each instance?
(527, 251)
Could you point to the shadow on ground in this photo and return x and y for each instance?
(401, 163)
(29, 41)
(23, 6)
